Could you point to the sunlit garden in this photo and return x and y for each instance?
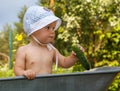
(94, 24)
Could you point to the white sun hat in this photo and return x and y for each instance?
(37, 17)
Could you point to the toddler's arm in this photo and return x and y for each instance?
(19, 66)
(68, 61)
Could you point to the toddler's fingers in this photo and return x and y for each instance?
(73, 53)
(32, 75)
(83, 50)
(29, 74)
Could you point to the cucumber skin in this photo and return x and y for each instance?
(80, 55)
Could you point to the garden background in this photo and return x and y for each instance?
(94, 24)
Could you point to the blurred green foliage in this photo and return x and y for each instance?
(5, 72)
(94, 24)
(115, 86)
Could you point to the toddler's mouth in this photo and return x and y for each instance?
(52, 37)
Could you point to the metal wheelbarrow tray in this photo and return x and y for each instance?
(98, 79)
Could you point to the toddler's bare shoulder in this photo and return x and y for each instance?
(22, 48)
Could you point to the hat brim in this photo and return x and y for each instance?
(44, 22)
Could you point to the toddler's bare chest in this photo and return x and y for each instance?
(40, 57)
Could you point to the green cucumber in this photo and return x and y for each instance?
(80, 55)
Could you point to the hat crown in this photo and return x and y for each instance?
(36, 14)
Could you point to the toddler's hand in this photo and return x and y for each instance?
(81, 48)
(29, 74)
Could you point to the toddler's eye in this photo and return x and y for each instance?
(47, 27)
(53, 28)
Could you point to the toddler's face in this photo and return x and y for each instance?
(46, 34)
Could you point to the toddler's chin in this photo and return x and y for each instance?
(52, 42)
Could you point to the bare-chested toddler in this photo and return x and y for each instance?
(38, 56)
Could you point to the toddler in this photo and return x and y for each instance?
(38, 56)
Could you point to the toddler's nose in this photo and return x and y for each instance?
(52, 30)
